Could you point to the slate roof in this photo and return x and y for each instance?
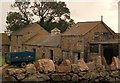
(33, 25)
(4, 39)
(36, 38)
(81, 28)
(53, 41)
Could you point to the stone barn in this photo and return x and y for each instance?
(26, 35)
(87, 40)
(48, 47)
(83, 40)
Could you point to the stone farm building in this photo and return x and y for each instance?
(83, 40)
(4, 44)
(89, 39)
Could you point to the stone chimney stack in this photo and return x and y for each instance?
(101, 18)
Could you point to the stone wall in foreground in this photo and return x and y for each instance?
(46, 70)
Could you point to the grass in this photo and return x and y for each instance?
(2, 60)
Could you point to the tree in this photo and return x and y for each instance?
(19, 19)
(14, 21)
(24, 10)
(49, 11)
(51, 15)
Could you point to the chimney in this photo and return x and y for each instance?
(101, 18)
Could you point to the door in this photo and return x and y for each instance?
(76, 56)
(65, 55)
(51, 54)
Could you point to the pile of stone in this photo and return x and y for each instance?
(45, 65)
(115, 64)
(17, 73)
(64, 67)
(46, 70)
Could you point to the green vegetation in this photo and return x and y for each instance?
(50, 15)
(2, 60)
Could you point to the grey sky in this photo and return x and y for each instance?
(80, 11)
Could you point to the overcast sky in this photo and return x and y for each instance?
(81, 11)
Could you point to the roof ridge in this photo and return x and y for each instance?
(82, 25)
(88, 22)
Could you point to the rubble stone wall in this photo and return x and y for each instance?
(46, 70)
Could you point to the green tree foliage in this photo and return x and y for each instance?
(24, 10)
(14, 21)
(51, 15)
(20, 18)
(49, 11)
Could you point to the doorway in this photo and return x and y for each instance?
(34, 50)
(65, 55)
(51, 54)
(109, 52)
(76, 56)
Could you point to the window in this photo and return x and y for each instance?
(43, 53)
(96, 36)
(65, 54)
(106, 35)
(76, 56)
(34, 50)
(94, 48)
